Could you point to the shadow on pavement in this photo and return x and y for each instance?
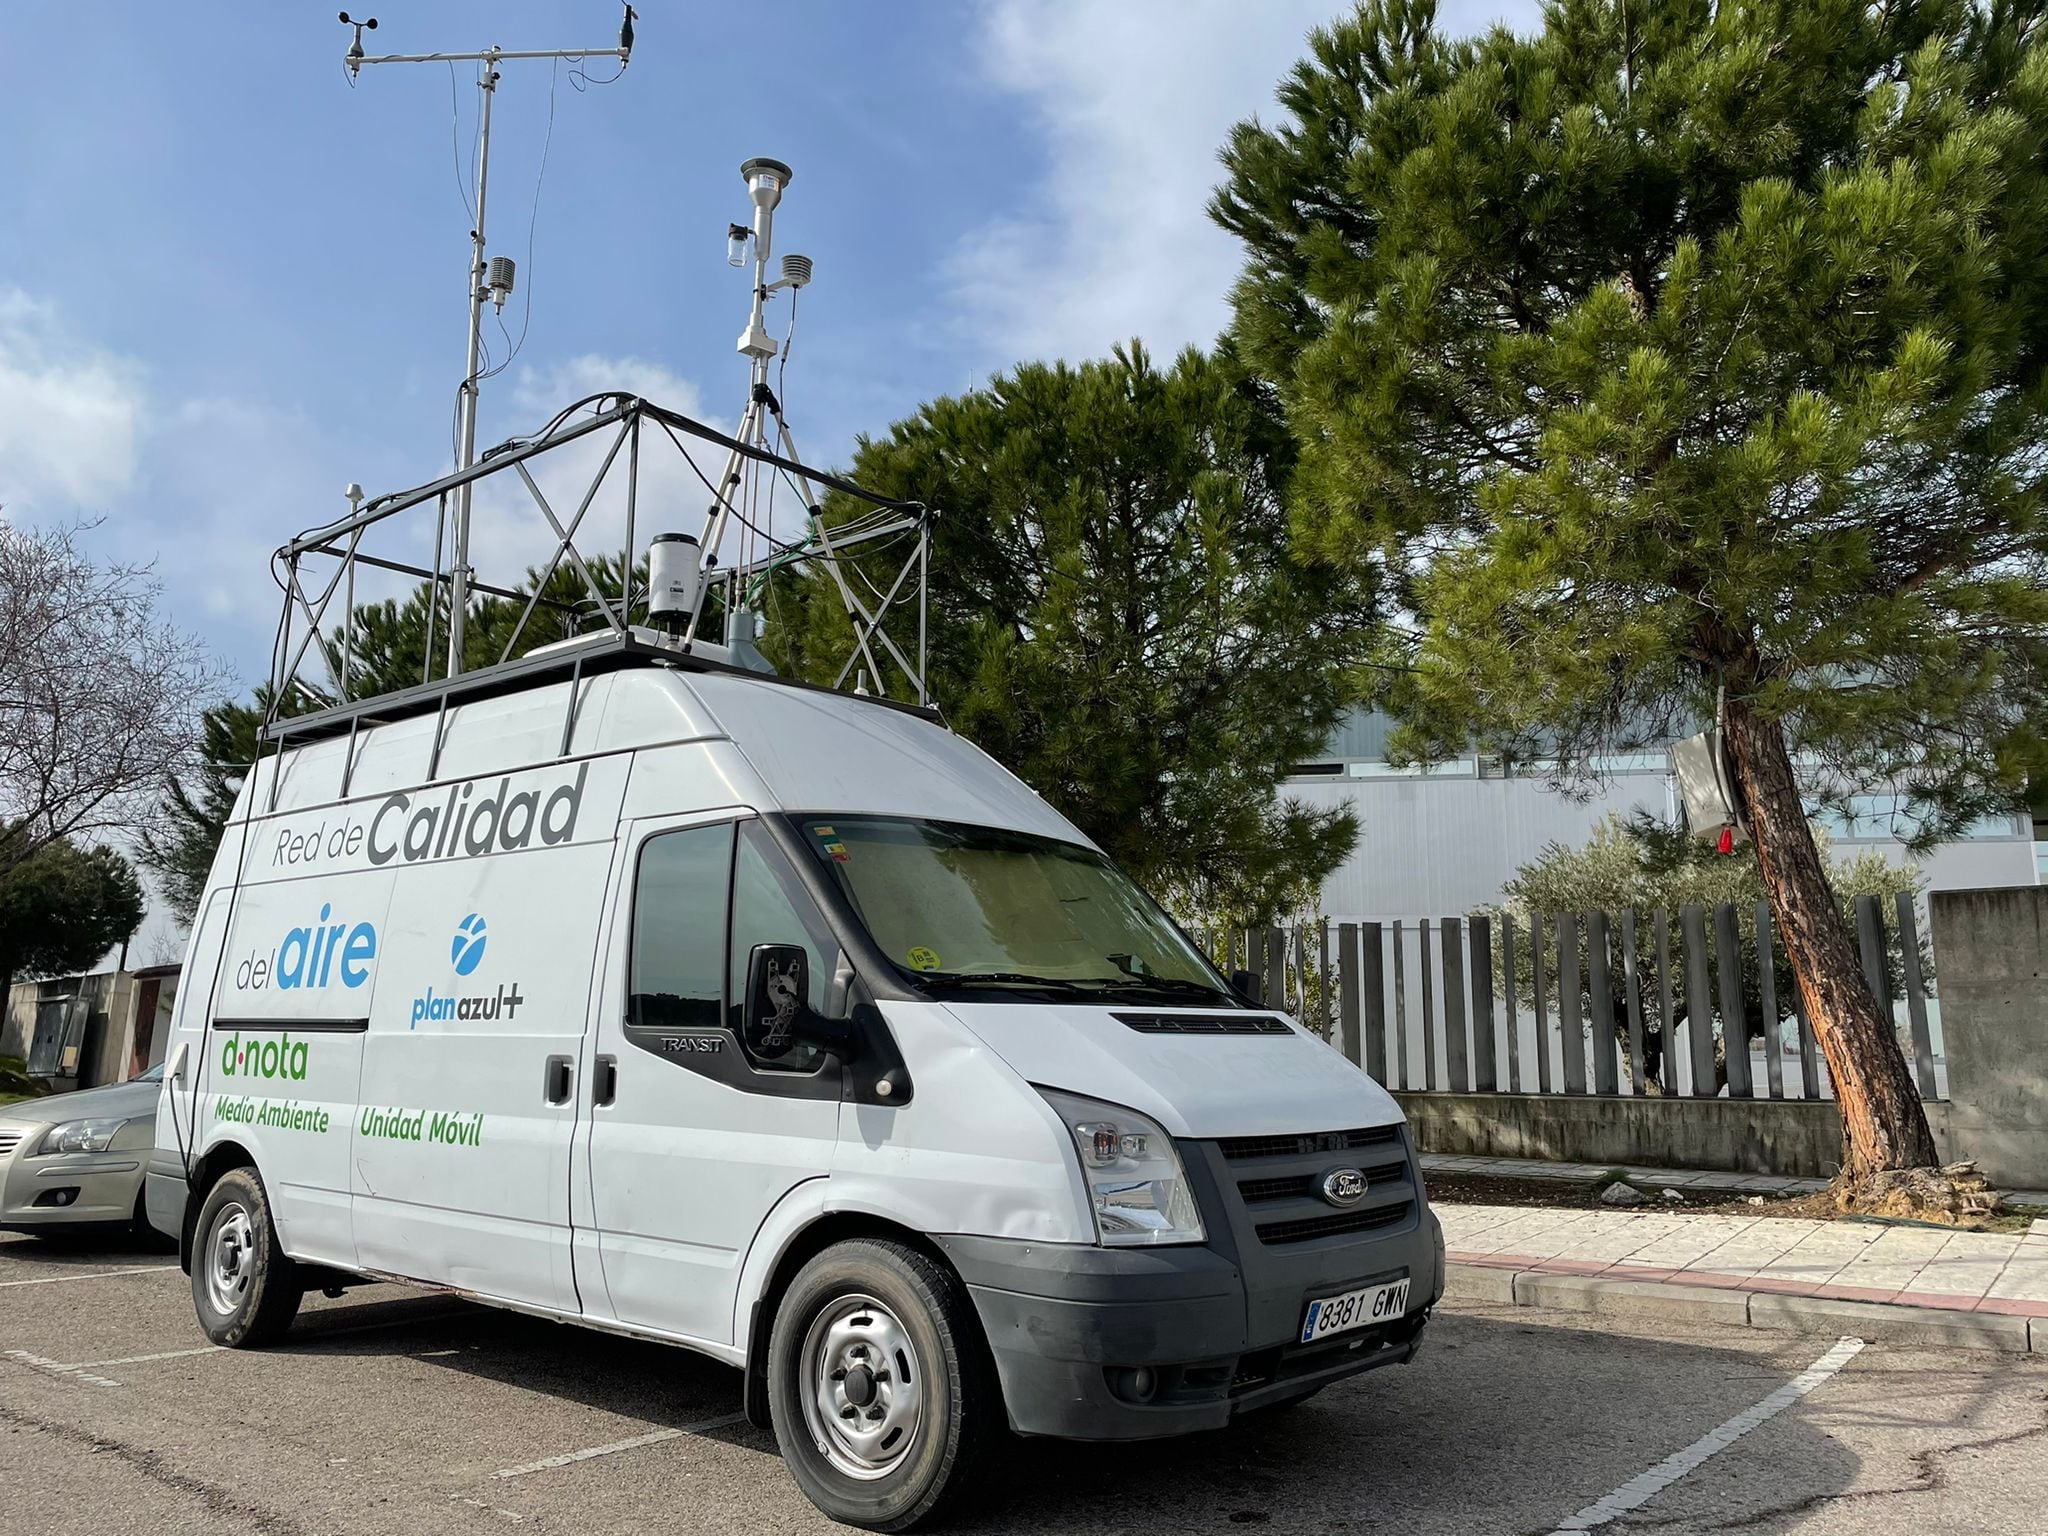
(1500, 1425)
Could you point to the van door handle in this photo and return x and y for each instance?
(559, 1080)
(606, 1087)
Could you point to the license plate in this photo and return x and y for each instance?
(1355, 1309)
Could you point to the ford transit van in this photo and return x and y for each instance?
(638, 990)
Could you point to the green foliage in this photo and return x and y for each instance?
(15, 1083)
(388, 649)
(179, 848)
(1644, 867)
(1673, 347)
(1117, 615)
(63, 907)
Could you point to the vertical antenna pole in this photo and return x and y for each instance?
(479, 292)
(632, 501)
(924, 587)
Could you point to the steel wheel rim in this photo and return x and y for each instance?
(862, 1387)
(230, 1259)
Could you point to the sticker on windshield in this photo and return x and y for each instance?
(922, 959)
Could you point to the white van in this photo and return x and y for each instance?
(633, 989)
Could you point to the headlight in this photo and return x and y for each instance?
(1135, 1181)
(79, 1136)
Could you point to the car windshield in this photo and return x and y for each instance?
(989, 910)
(154, 1075)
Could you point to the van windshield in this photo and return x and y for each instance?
(991, 911)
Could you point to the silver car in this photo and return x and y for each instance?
(75, 1160)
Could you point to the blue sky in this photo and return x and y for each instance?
(229, 283)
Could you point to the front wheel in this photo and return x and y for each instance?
(880, 1386)
(244, 1286)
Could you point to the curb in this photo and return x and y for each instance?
(1719, 1302)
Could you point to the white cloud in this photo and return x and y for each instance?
(70, 413)
(1133, 101)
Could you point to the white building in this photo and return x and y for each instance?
(1445, 841)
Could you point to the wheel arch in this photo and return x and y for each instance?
(206, 1172)
(823, 1231)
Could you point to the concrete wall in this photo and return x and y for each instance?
(1991, 951)
(1790, 1138)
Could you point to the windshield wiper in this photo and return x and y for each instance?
(997, 979)
(1174, 984)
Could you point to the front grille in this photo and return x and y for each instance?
(1308, 1228)
(1239, 1149)
(1304, 1186)
(9, 1140)
(1203, 1023)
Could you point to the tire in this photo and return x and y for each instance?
(904, 1457)
(244, 1287)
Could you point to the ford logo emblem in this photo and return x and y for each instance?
(1343, 1186)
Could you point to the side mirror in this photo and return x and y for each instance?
(1246, 985)
(175, 1072)
(778, 1012)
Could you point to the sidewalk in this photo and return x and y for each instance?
(1680, 1179)
(1928, 1285)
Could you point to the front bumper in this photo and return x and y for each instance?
(71, 1189)
(1215, 1327)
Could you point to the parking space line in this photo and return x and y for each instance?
(1640, 1490)
(98, 1274)
(548, 1464)
(168, 1354)
(56, 1368)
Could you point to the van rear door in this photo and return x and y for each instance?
(694, 1132)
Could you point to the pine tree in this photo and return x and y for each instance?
(1116, 615)
(1684, 361)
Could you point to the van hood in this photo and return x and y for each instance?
(1195, 1085)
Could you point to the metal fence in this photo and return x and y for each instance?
(1582, 1002)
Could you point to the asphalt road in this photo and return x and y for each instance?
(395, 1411)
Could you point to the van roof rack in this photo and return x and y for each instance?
(322, 564)
(589, 656)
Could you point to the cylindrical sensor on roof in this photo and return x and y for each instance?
(674, 579)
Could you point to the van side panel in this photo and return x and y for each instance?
(470, 1093)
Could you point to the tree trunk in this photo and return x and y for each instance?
(1883, 1123)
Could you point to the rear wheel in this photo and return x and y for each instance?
(244, 1287)
(879, 1384)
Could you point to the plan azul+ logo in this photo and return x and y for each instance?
(468, 949)
(466, 954)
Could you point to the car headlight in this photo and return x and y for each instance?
(1134, 1176)
(79, 1136)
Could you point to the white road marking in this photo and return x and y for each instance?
(57, 1368)
(97, 1274)
(168, 1354)
(659, 1435)
(1640, 1490)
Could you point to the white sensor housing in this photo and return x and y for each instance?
(675, 578)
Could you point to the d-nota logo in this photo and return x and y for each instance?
(282, 1057)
